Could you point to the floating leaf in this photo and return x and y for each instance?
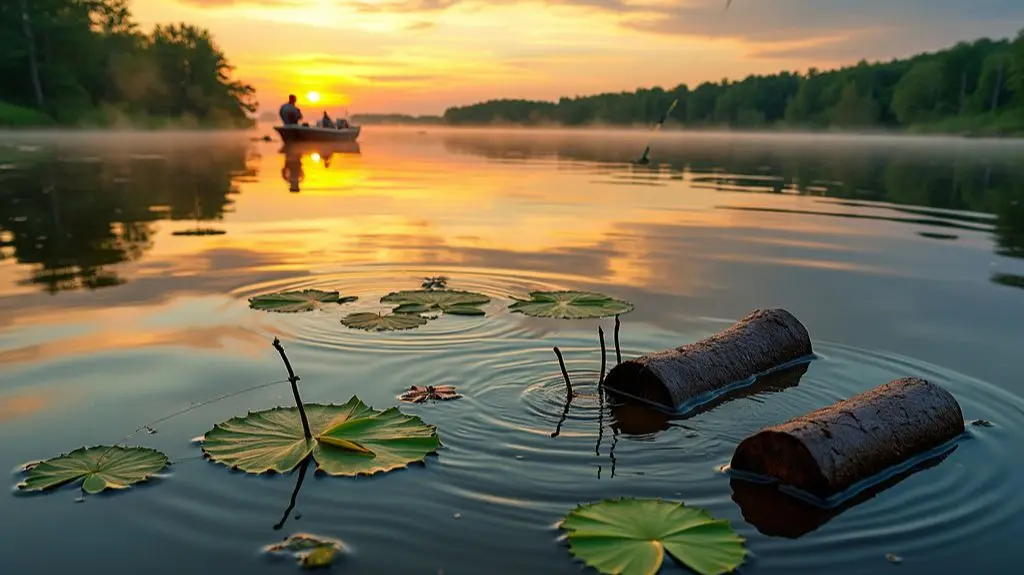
(570, 305)
(386, 322)
(319, 558)
(100, 467)
(312, 551)
(349, 439)
(631, 536)
(432, 301)
(297, 301)
(419, 393)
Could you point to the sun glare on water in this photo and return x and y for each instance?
(313, 97)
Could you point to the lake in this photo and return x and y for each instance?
(126, 262)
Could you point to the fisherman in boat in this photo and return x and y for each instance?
(290, 113)
(326, 122)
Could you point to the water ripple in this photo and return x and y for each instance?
(505, 475)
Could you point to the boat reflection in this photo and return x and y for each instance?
(319, 153)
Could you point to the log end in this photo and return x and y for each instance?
(633, 379)
(780, 456)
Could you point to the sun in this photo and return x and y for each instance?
(313, 97)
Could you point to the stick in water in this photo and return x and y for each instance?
(293, 379)
(565, 374)
(600, 336)
(618, 353)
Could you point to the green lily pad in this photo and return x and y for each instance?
(570, 305)
(297, 301)
(100, 467)
(382, 322)
(631, 536)
(312, 551)
(432, 301)
(349, 439)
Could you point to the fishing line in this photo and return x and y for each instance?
(644, 160)
(149, 426)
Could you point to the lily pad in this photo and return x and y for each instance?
(382, 322)
(570, 305)
(311, 551)
(297, 301)
(349, 439)
(631, 536)
(432, 301)
(100, 467)
(421, 393)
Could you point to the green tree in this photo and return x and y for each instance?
(918, 93)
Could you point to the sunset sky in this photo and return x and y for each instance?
(421, 56)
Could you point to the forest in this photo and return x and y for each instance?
(972, 88)
(86, 63)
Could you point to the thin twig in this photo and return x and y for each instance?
(618, 352)
(295, 493)
(600, 336)
(565, 374)
(565, 414)
(293, 379)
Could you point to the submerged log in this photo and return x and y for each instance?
(634, 418)
(829, 450)
(763, 340)
(777, 514)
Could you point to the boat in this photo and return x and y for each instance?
(307, 133)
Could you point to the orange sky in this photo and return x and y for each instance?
(421, 56)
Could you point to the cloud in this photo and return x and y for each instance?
(422, 25)
(835, 29)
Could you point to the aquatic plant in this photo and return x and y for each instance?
(435, 282)
(349, 439)
(382, 322)
(452, 302)
(630, 537)
(420, 393)
(99, 468)
(311, 551)
(297, 301)
(570, 305)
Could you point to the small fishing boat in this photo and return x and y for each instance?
(307, 133)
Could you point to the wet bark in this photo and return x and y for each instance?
(828, 450)
(761, 341)
(633, 418)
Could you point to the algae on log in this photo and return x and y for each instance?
(828, 450)
(761, 341)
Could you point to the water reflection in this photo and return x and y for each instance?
(776, 514)
(320, 154)
(71, 220)
(943, 175)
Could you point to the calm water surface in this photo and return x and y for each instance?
(901, 256)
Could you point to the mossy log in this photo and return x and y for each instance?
(761, 341)
(829, 450)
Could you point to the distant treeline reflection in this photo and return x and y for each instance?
(71, 219)
(931, 179)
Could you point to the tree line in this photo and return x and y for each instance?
(86, 62)
(971, 87)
